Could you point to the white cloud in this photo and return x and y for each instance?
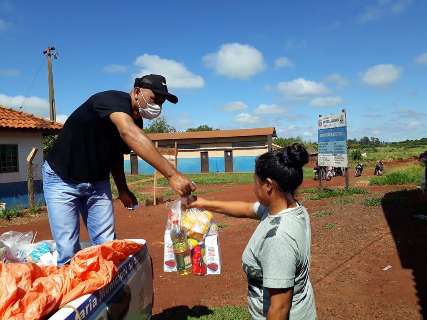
(4, 25)
(182, 122)
(115, 69)
(234, 106)
(301, 88)
(383, 8)
(236, 61)
(269, 109)
(381, 75)
(31, 104)
(283, 62)
(177, 75)
(9, 72)
(326, 101)
(409, 114)
(61, 118)
(337, 79)
(422, 58)
(246, 118)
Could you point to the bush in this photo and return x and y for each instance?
(10, 213)
(356, 155)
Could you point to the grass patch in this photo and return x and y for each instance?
(372, 202)
(226, 312)
(410, 175)
(329, 193)
(329, 226)
(343, 201)
(204, 313)
(10, 213)
(323, 213)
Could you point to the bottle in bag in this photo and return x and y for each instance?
(180, 249)
(199, 266)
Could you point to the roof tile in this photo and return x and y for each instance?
(13, 119)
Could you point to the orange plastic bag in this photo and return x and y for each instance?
(29, 291)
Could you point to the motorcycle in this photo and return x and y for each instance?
(379, 169)
(358, 170)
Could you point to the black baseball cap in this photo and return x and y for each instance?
(157, 84)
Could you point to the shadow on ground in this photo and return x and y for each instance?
(182, 313)
(406, 214)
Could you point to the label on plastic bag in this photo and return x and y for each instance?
(169, 263)
(212, 257)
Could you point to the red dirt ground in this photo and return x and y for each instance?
(350, 249)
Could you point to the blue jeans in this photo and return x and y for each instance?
(65, 200)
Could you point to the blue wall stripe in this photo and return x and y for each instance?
(193, 165)
(15, 194)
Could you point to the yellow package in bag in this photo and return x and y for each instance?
(197, 223)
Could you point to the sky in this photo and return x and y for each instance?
(233, 64)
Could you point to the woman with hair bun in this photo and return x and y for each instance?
(276, 259)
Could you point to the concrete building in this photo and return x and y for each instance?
(19, 133)
(212, 151)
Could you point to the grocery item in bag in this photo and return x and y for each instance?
(196, 222)
(212, 256)
(169, 264)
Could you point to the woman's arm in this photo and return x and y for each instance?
(280, 303)
(237, 209)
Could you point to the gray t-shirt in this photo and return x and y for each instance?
(278, 256)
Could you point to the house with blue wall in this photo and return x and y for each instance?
(19, 133)
(209, 151)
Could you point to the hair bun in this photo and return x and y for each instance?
(294, 156)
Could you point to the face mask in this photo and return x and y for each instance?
(150, 111)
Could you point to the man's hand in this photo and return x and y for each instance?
(181, 184)
(128, 199)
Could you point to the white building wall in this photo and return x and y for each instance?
(25, 141)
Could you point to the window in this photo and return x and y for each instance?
(243, 144)
(8, 158)
(189, 146)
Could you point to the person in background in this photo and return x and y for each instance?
(90, 147)
(423, 159)
(276, 259)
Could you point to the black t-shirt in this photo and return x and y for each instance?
(89, 142)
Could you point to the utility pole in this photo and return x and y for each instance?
(49, 52)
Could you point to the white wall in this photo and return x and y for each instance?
(25, 141)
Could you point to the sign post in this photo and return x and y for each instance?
(332, 140)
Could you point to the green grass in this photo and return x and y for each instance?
(343, 201)
(226, 312)
(372, 202)
(145, 181)
(409, 175)
(204, 313)
(388, 153)
(329, 193)
(10, 213)
(329, 226)
(323, 213)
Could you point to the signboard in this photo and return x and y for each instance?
(332, 140)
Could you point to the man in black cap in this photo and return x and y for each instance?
(90, 147)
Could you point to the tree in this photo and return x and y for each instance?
(283, 142)
(364, 141)
(159, 125)
(203, 127)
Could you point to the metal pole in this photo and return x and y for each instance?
(346, 169)
(320, 173)
(49, 52)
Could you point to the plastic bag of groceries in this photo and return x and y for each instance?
(202, 239)
(15, 245)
